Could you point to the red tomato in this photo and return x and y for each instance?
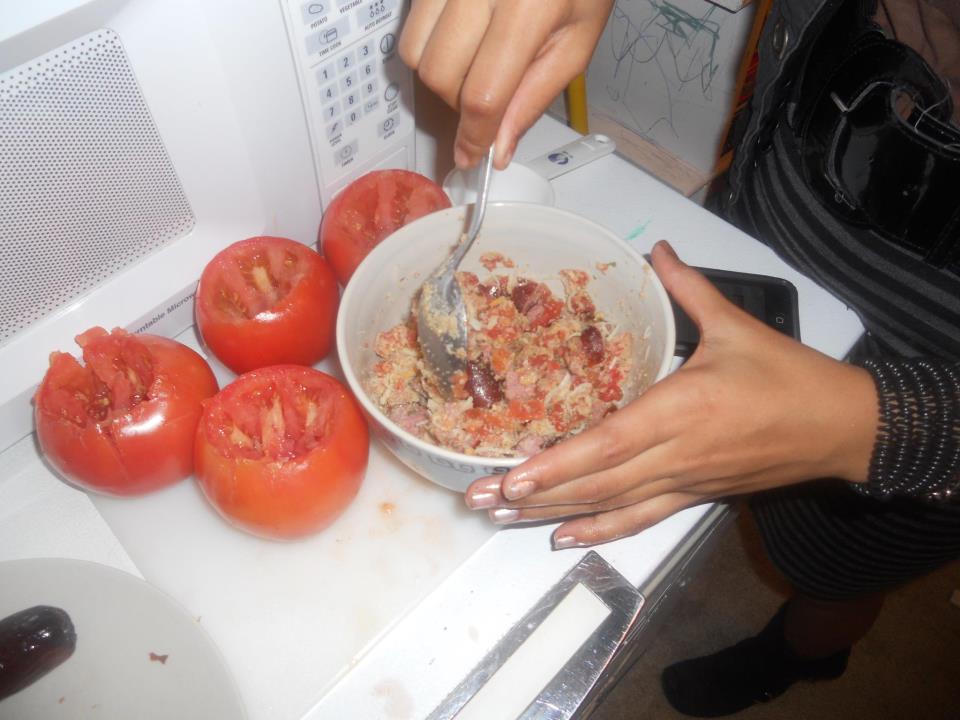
(281, 451)
(124, 423)
(369, 209)
(267, 301)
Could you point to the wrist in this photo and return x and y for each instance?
(857, 428)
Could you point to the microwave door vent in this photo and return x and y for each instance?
(87, 188)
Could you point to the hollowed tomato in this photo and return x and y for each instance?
(281, 451)
(369, 209)
(267, 301)
(125, 422)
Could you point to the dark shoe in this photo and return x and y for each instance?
(754, 670)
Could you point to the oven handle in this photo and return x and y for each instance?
(561, 698)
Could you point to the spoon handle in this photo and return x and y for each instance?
(479, 208)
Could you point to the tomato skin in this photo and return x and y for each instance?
(295, 324)
(299, 490)
(130, 450)
(371, 208)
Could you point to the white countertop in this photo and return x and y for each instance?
(382, 614)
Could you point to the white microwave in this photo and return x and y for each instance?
(139, 137)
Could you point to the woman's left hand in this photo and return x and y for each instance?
(751, 409)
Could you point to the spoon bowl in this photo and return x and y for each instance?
(441, 314)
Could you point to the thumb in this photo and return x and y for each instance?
(689, 289)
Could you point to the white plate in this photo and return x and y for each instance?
(120, 620)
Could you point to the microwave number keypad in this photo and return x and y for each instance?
(360, 86)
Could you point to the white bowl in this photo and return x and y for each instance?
(541, 240)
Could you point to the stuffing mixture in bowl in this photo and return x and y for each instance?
(540, 367)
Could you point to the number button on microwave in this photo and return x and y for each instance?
(352, 116)
(369, 88)
(331, 111)
(345, 62)
(329, 93)
(326, 72)
(348, 82)
(351, 101)
(365, 51)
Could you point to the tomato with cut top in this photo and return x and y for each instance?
(267, 301)
(371, 208)
(124, 422)
(281, 451)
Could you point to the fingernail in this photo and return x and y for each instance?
(505, 158)
(504, 515)
(481, 500)
(460, 158)
(566, 541)
(491, 484)
(519, 489)
(667, 248)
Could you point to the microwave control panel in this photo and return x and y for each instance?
(357, 92)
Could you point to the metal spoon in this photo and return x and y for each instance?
(441, 314)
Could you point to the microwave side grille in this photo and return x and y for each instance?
(86, 185)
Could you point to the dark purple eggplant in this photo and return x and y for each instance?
(32, 643)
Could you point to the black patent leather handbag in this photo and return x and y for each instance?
(878, 146)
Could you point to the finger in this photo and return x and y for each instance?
(484, 493)
(451, 49)
(544, 80)
(640, 477)
(517, 33)
(514, 513)
(565, 56)
(623, 522)
(417, 29)
(583, 495)
(632, 430)
(699, 298)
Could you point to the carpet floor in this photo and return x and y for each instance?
(908, 666)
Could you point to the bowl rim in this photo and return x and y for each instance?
(356, 387)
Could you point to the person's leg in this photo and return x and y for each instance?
(808, 639)
(815, 628)
(841, 553)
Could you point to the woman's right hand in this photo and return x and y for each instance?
(499, 62)
(750, 410)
